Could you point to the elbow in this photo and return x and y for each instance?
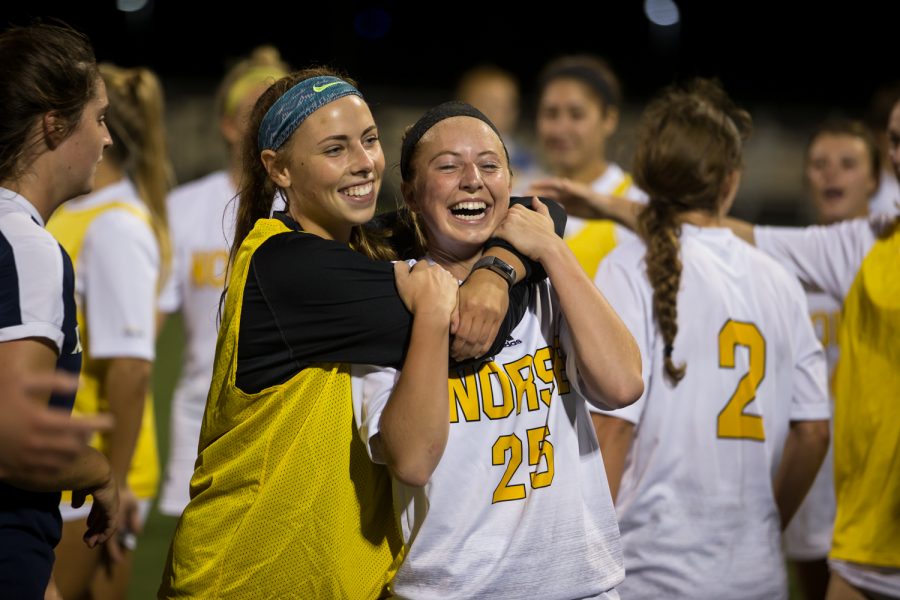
(414, 473)
(624, 392)
(414, 467)
(814, 434)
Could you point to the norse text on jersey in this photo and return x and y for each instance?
(496, 390)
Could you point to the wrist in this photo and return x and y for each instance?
(485, 279)
(500, 268)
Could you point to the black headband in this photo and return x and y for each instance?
(431, 118)
(588, 76)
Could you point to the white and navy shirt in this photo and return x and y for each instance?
(37, 300)
(37, 286)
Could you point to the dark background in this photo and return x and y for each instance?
(786, 54)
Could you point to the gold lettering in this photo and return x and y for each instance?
(523, 383)
(208, 268)
(464, 395)
(492, 410)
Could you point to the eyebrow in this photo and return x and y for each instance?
(456, 154)
(344, 138)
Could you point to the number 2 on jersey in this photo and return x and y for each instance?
(733, 422)
(538, 446)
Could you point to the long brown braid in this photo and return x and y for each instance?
(689, 143)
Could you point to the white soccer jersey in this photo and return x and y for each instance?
(808, 537)
(823, 257)
(201, 224)
(696, 505)
(511, 511)
(117, 278)
(612, 180)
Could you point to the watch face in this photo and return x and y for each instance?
(502, 267)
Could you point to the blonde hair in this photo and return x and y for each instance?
(690, 141)
(135, 120)
(263, 65)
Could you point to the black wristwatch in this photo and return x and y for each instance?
(498, 266)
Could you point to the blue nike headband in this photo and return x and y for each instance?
(295, 105)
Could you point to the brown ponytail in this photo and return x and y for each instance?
(689, 142)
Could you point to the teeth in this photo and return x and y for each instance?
(360, 190)
(470, 210)
(472, 205)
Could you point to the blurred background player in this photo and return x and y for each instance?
(842, 168)
(495, 92)
(578, 111)
(201, 215)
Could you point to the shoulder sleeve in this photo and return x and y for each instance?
(533, 269)
(331, 304)
(810, 400)
(824, 258)
(372, 387)
(622, 284)
(31, 282)
(119, 267)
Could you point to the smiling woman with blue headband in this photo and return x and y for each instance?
(284, 500)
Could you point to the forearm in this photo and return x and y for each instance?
(88, 471)
(615, 437)
(608, 359)
(804, 450)
(620, 209)
(415, 423)
(127, 384)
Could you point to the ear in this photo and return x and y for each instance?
(54, 129)
(229, 130)
(610, 120)
(407, 190)
(279, 174)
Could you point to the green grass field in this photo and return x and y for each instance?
(154, 543)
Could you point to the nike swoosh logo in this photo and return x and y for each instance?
(322, 88)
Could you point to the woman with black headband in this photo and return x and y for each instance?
(500, 493)
(284, 500)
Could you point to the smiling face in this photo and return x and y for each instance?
(572, 126)
(840, 176)
(331, 169)
(460, 186)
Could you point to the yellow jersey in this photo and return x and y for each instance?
(867, 413)
(285, 502)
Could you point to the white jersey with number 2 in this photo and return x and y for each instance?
(696, 505)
